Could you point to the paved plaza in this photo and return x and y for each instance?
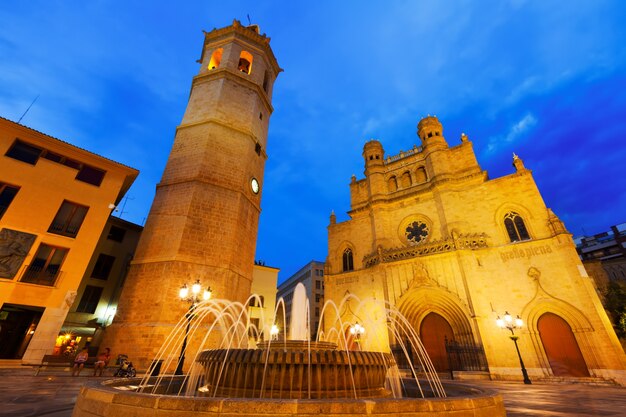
(53, 393)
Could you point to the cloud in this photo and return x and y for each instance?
(516, 131)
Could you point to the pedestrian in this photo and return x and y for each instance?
(102, 362)
(79, 361)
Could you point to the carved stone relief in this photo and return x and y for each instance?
(14, 246)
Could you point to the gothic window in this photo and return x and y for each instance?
(216, 58)
(417, 232)
(406, 180)
(393, 184)
(245, 62)
(348, 260)
(420, 175)
(515, 227)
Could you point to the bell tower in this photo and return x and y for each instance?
(204, 219)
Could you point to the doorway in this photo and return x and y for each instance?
(17, 326)
(434, 332)
(561, 347)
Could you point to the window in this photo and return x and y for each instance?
(102, 268)
(68, 220)
(216, 58)
(317, 298)
(406, 180)
(7, 193)
(420, 175)
(317, 311)
(90, 299)
(45, 266)
(257, 303)
(116, 234)
(30, 154)
(515, 227)
(90, 175)
(266, 80)
(24, 152)
(318, 284)
(348, 262)
(393, 184)
(245, 62)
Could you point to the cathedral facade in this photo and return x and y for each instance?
(431, 234)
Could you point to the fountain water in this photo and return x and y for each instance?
(347, 367)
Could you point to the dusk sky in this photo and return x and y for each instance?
(544, 79)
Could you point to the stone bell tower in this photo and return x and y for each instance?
(204, 219)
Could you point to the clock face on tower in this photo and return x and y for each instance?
(254, 184)
(416, 232)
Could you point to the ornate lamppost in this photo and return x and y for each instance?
(193, 299)
(274, 330)
(512, 324)
(356, 330)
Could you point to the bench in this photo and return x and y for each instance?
(57, 361)
(61, 361)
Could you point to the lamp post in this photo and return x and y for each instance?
(193, 299)
(511, 324)
(356, 330)
(274, 330)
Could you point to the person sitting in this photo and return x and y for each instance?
(79, 361)
(102, 362)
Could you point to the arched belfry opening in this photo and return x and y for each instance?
(245, 62)
(216, 58)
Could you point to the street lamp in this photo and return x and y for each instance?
(193, 299)
(356, 330)
(511, 324)
(274, 330)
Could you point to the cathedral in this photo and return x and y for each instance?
(457, 252)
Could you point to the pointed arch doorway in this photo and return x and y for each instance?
(561, 347)
(434, 331)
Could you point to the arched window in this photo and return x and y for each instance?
(348, 261)
(406, 180)
(216, 58)
(420, 175)
(245, 62)
(515, 227)
(393, 184)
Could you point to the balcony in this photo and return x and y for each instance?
(40, 275)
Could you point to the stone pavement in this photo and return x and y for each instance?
(53, 393)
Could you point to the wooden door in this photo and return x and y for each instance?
(561, 347)
(433, 332)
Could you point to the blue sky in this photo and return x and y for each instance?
(544, 79)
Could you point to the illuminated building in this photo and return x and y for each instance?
(55, 199)
(430, 233)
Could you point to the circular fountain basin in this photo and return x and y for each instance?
(294, 370)
(117, 398)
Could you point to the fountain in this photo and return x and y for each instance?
(347, 370)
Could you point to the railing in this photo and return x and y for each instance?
(65, 229)
(465, 357)
(35, 274)
(461, 241)
(403, 154)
